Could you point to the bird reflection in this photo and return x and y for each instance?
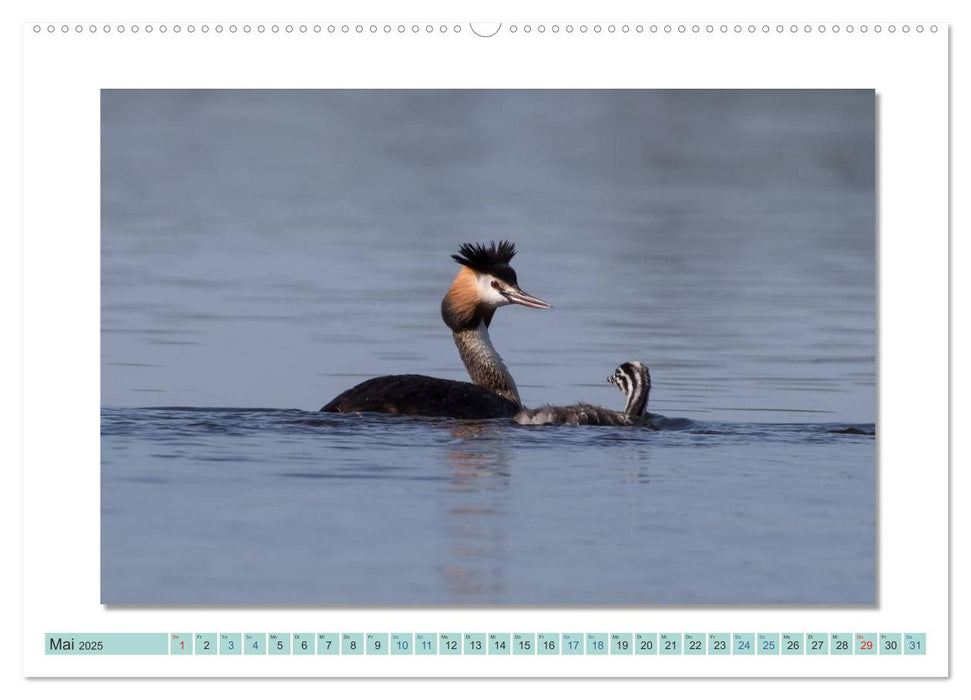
(475, 522)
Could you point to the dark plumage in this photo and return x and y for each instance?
(418, 395)
(493, 260)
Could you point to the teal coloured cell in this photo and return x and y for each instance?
(792, 644)
(571, 643)
(694, 644)
(597, 643)
(402, 643)
(328, 643)
(180, 644)
(278, 643)
(304, 643)
(548, 643)
(840, 643)
(500, 643)
(719, 643)
(865, 644)
(205, 644)
(352, 643)
(230, 644)
(743, 644)
(450, 644)
(473, 644)
(669, 643)
(767, 643)
(645, 643)
(106, 644)
(915, 643)
(426, 643)
(621, 643)
(254, 643)
(817, 643)
(890, 643)
(376, 643)
(523, 643)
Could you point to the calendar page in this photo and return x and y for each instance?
(435, 347)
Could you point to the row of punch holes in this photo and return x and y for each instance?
(484, 30)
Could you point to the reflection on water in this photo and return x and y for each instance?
(203, 506)
(265, 248)
(479, 463)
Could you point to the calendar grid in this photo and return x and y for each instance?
(488, 644)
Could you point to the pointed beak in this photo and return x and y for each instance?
(518, 296)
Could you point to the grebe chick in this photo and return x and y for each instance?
(484, 283)
(632, 378)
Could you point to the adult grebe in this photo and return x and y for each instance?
(632, 378)
(484, 283)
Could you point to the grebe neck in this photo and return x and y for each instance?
(639, 393)
(483, 363)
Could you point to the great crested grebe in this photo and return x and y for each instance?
(483, 284)
(632, 378)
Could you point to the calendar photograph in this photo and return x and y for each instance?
(488, 347)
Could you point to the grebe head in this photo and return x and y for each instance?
(485, 282)
(634, 380)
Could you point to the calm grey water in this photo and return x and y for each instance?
(263, 251)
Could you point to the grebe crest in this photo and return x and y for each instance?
(485, 282)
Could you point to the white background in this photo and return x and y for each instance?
(60, 311)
